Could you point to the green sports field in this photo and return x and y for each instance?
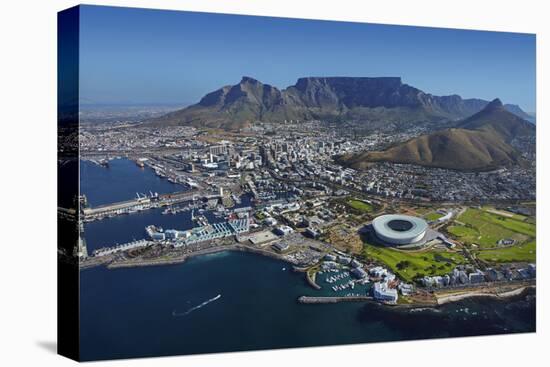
(360, 205)
(411, 264)
(474, 226)
(485, 229)
(520, 253)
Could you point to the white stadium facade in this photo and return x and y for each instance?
(395, 229)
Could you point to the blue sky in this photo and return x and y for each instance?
(152, 56)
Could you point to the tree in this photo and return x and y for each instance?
(403, 264)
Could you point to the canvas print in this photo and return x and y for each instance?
(235, 183)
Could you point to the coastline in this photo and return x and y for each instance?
(439, 299)
(444, 299)
(110, 264)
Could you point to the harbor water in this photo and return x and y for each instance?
(120, 181)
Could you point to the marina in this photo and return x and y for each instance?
(341, 283)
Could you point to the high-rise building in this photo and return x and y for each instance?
(218, 149)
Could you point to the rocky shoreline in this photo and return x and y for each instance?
(441, 300)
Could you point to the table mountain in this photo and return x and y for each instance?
(376, 102)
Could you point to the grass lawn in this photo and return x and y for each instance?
(422, 210)
(409, 265)
(507, 213)
(463, 232)
(521, 253)
(486, 229)
(360, 205)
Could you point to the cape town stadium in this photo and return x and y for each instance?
(398, 229)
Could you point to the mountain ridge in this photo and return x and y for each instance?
(374, 101)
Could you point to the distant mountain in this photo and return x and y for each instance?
(516, 110)
(496, 119)
(237, 106)
(480, 142)
(377, 102)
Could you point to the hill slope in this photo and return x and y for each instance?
(459, 149)
(481, 142)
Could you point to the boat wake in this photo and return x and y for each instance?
(179, 314)
(422, 309)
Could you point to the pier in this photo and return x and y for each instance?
(319, 300)
(139, 203)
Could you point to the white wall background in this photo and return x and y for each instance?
(28, 181)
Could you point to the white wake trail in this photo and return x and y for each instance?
(175, 314)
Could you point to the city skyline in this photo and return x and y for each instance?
(159, 57)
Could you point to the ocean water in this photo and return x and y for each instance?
(174, 309)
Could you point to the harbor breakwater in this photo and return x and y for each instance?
(319, 300)
(129, 263)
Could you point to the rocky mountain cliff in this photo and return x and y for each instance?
(372, 101)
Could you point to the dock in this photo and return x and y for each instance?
(322, 300)
(138, 204)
